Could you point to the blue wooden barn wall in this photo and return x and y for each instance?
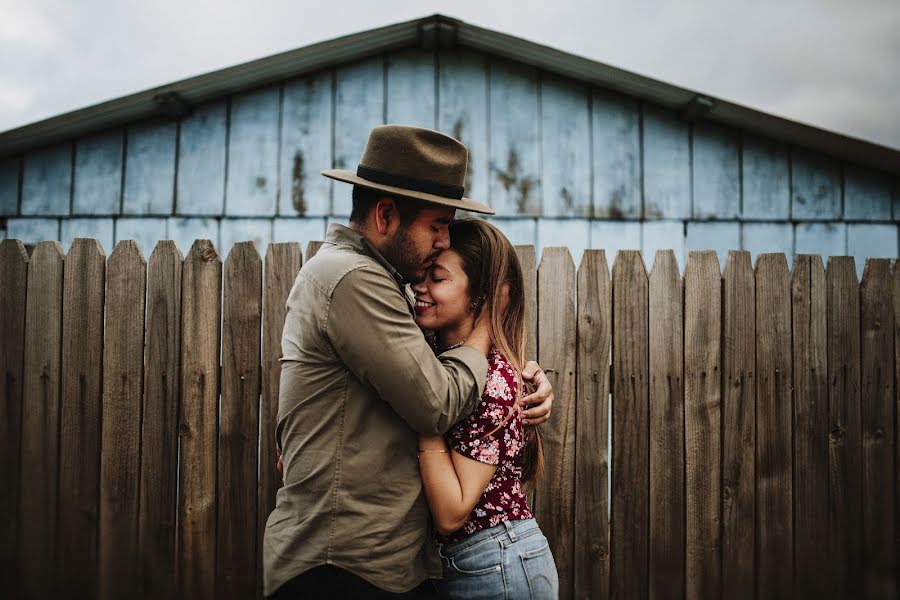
(561, 162)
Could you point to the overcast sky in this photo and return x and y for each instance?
(831, 63)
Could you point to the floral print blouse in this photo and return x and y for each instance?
(503, 499)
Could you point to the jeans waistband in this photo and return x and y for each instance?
(505, 533)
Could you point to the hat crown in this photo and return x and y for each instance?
(417, 154)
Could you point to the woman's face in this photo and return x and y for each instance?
(442, 298)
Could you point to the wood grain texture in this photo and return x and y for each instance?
(159, 439)
(810, 350)
(631, 425)
(591, 530)
(565, 148)
(411, 88)
(815, 186)
(283, 262)
(765, 177)
(239, 424)
(14, 278)
(877, 395)
(702, 423)
(896, 292)
(774, 525)
(307, 121)
(666, 166)
(515, 155)
(40, 422)
(667, 429)
(554, 504)
(196, 530)
(844, 442)
(739, 427)
(715, 172)
(149, 186)
(47, 181)
(123, 365)
(80, 413)
(528, 262)
(616, 151)
(202, 140)
(252, 182)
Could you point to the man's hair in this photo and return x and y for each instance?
(365, 199)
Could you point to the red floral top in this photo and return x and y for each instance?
(502, 499)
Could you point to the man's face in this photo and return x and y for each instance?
(414, 247)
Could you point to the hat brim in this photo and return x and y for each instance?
(461, 203)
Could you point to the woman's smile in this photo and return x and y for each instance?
(422, 306)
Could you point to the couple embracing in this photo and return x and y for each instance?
(403, 416)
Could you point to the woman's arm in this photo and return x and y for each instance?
(453, 483)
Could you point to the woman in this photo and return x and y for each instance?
(490, 544)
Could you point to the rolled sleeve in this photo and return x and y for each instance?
(370, 327)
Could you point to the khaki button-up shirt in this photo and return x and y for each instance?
(358, 383)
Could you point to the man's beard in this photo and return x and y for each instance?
(399, 251)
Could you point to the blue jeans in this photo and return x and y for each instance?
(510, 560)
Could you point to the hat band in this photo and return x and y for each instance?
(410, 183)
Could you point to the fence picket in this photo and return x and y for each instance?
(666, 338)
(200, 318)
(528, 263)
(591, 539)
(631, 420)
(159, 443)
(123, 364)
(80, 406)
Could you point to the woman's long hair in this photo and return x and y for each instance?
(491, 264)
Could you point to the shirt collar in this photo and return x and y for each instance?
(345, 236)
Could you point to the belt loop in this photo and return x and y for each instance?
(510, 531)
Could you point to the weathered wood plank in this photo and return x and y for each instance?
(233, 231)
(815, 186)
(663, 235)
(298, 230)
(239, 424)
(40, 423)
(896, 338)
(528, 262)
(844, 449)
(283, 262)
(98, 174)
(667, 428)
(411, 88)
(185, 230)
(150, 169)
(80, 413)
(47, 181)
(739, 428)
(810, 348)
(871, 241)
(877, 399)
(359, 106)
(591, 529)
(146, 231)
(515, 157)
(718, 236)
(195, 557)
(32, 231)
(715, 168)
(10, 168)
(463, 112)
(867, 194)
(565, 148)
(631, 421)
(14, 278)
(159, 439)
(760, 238)
(200, 185)
(824, 239)
(123, 364)
(98, 228)
(702, 423)
(616, 143)
(574, 233)
(307, 122)
(773, 428)
(666, 166)
(554, 503)
(252, 183)
(765, 177)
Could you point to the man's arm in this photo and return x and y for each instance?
(371, 329)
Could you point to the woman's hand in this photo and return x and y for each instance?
(542, 396)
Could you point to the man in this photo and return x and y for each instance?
(359, 382)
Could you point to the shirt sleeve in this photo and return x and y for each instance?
(478, 436)
(370, 327)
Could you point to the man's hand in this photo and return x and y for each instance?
(542, 396)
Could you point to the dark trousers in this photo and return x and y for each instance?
(328, 582)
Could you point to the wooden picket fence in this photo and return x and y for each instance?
(754, 421)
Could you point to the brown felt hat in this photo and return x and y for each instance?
(416, 163)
